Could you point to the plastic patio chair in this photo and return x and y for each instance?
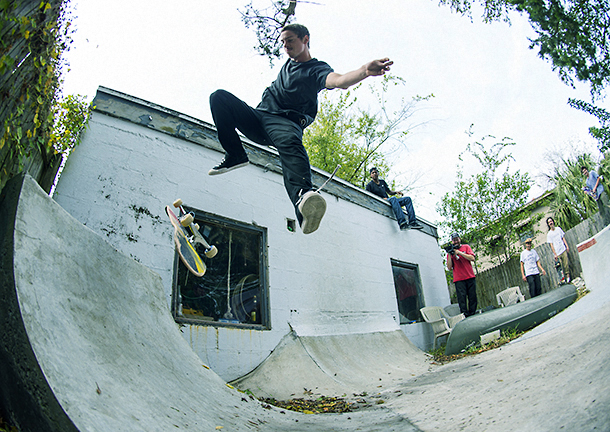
(441, 323)
(510, 296)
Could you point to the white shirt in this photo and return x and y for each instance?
(529, 258)
(555, 237)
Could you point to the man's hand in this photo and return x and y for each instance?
(345, 81)
(378, 67)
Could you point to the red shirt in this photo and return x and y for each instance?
(462, 268)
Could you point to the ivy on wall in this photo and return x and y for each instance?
(33, 36)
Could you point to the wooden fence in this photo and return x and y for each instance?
(490, 282)
(27, 89)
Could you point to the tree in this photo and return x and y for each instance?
(570, 205)
(487, 206)
(329, 140)
(71, 116)
(33, 38)
(601, 134)
(572, 34)
(268, 24)
(357, 138)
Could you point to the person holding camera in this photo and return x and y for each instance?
(459, 261)
(531, 268)
(380, 188)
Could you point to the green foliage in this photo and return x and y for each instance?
(573, 34)
(486, 207)
(34, 35)
(506, 336)
(268, 24)
(330, 141)
(570, 205)
(357, 138)
(71, 116)
(602, 133)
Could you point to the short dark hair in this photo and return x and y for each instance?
(373, 169)
(298, 29)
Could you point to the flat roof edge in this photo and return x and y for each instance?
(165, 120)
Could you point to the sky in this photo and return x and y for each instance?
(176, 53)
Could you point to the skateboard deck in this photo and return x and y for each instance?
(591, 192)
(186, 250)
(559, 270)
(187, 220)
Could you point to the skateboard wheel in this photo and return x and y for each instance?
(178, 203)
(211, 252)
(187, 220)
(196, 226)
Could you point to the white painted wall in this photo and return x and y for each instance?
(337, 280)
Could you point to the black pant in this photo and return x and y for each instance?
(230, 113)
(466, 291)
(535, 286)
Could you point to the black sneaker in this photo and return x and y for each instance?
(312, 207)
(229, 164)
(404, 226)
(416, 226)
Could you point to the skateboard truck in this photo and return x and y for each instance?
(187, 220)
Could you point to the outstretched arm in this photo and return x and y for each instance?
(344, 81)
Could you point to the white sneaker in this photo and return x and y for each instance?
(312, 207)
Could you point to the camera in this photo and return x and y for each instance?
(450, 249)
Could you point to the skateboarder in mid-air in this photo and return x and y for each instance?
(288, 106)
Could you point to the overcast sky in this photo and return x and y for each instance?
(176, 52)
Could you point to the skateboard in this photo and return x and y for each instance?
(590, 192)
(186, 237)
(559, 271)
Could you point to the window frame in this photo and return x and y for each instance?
(264, 305)
(419, 288)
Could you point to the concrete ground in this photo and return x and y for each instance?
(91, 346)
(555, 379)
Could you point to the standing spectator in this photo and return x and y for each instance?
(459, 260)
(531, 268)
(556, 238)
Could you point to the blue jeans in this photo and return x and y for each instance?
(397, 204)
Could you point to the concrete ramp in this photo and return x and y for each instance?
(594, 256)
(335, 365)
(88, 343)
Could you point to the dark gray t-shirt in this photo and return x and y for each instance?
(294, 93)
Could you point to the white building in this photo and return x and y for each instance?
(268, 279)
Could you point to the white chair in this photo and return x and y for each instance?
(441, 323)
(510, 296)
(452, 309)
